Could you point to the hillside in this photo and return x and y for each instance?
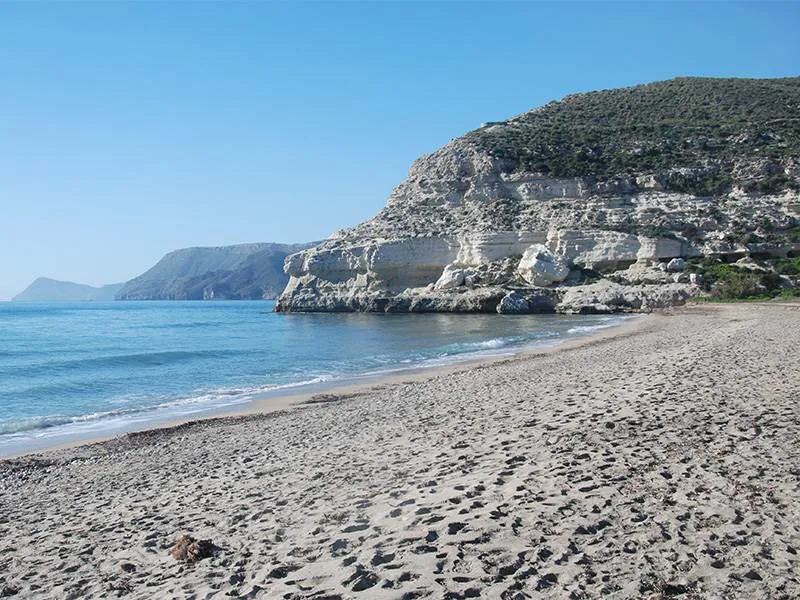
(740, 131)
(691, 168)
(44, 289)
(244, 271)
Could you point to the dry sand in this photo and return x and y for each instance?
(658, 463)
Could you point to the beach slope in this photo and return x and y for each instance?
(660, 462)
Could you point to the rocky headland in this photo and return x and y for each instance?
(238, 272)
(619, 200)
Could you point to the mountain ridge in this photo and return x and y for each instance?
(235, 272)
(45, 289)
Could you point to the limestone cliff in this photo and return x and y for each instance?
(526, 214)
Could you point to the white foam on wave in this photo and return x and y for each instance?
(15, 434)
(23, 435)
(493, 343)
(605, 324)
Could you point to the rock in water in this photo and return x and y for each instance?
(595, 183)
(513, 303)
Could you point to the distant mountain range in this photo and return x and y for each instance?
(52, 290)
(239, 272)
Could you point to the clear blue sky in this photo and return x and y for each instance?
(131, 129)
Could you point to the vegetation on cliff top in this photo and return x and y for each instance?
(726, 282)
(721, 132)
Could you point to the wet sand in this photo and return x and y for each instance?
(656, 460)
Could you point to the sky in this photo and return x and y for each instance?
(129, 129)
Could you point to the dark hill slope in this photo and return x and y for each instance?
(240, 272)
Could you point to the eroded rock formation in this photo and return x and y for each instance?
(495, 219)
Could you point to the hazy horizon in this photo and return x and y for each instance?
(137, 129)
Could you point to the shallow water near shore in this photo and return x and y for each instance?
(86, 370)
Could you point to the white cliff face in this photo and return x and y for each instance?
(459, 190)
(461, 208)
(672, 177)
(479, 248)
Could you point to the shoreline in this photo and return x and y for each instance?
(267, 403)
(656, 461)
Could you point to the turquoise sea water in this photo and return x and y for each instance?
(84, 370)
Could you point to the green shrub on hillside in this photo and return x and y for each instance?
(729, 282)
(708, 125)
(792, 235)
(742, 284)
(787, 266)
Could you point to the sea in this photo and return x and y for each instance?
(72, 372)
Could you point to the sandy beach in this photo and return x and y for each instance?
(658, 460)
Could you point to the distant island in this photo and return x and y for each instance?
(45, 289)
(238, 272)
